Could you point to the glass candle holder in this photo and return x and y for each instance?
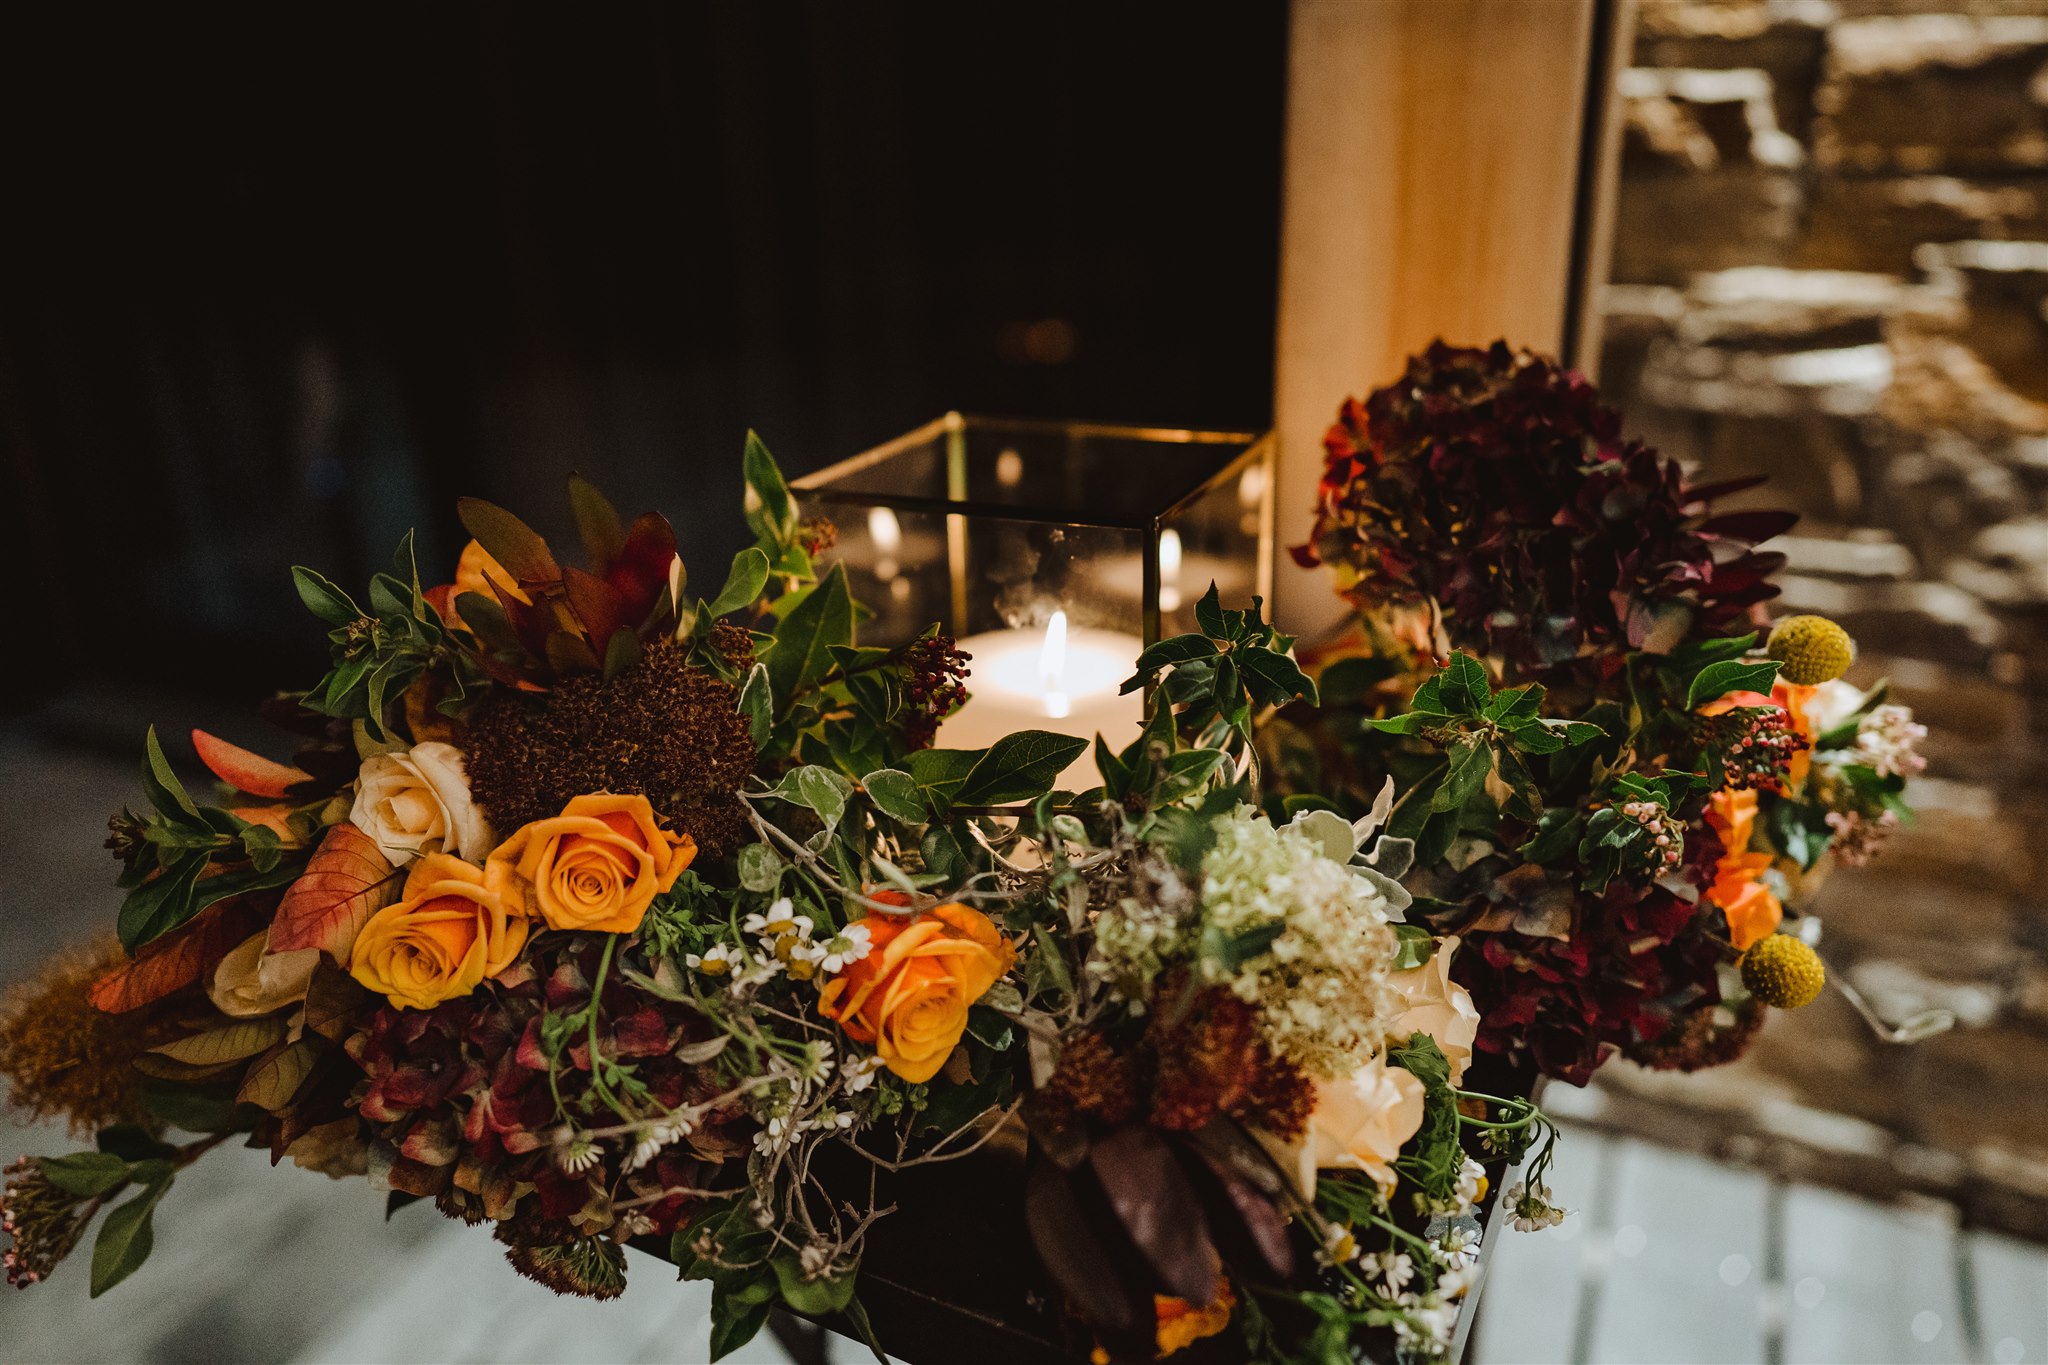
(1053, 551)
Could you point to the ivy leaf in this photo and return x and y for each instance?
(824, 791)
(125, 1239)
(760, 867)
(895, 794)
(1717, 680)
(757, 704)
(939, 773)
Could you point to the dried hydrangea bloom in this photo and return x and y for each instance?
(1495, 484)
(1320, 981)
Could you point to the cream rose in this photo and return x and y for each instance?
(1434, 1004)
(1359, 1124)
(252, 980)
(418, 802)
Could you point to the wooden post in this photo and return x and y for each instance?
(1447, 175)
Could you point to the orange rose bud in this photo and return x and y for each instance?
(909, 995)
(1753, 910)
(456, 924)
(598, 865)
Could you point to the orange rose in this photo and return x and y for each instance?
(456, 924)
(909, 995)
(1752, 908)
(598, 865)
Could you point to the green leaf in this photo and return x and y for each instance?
(760, 867)
(771, 514)
(802, 651)
(165, 792)
(1465, 689)
(943, 856)
(1416, 945)
(1232, 951)
(1170, 652)
(895, 794)
(813, 1298)
(85, 1174)
(621, 652)
(939, 773)
(1717, 680)
(757, 704)
(132, 1143)
(597, 523)
(743, 583)
(125, 1239)
(1412, 722)
(1209, 615)
(1019, 767)
(734, 1322)
(824, 791)
(1471, 761)
(1274, 679)
(323, 599)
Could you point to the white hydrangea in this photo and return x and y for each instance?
(1321, 983)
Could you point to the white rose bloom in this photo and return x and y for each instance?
(1434, 1004)
(418, 802)
(1359, 1124)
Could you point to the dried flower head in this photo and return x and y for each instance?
(588, 1267)
(663, 729)
(1091, 1078)
(43, 1221)
(1712, 1035)
(64, 1056)
(1494, 484)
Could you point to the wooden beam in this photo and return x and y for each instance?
(1432, 189)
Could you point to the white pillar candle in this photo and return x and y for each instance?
(1060, 678)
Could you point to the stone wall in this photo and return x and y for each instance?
(1831, 265)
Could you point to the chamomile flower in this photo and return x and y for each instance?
(717, 960)
(860, 1073)
(772, 1134)
(845, 948)
(576, 1153)
(657, 1137)
(1339, 1245)
(777, 920)
(1395, 1269)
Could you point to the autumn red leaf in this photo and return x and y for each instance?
(244, 771)
(346, 882)
(182, 956)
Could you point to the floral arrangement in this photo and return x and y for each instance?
(607, 914)
(1625, 779)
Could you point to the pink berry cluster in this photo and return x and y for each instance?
(1663, 848)
(43, 1220)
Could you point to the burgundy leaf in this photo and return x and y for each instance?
(1119, 1313)
(1159, 1209)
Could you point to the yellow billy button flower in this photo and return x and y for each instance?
(1782, 971)
(1810, 650)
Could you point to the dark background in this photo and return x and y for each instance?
(285, 283)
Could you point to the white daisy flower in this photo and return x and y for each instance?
(845, 948)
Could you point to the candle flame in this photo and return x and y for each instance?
(1052, 666)
(1169, 570)
(887, 535)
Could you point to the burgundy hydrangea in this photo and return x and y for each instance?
(463, 1104)
(1497, 485)
(1638, 959)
